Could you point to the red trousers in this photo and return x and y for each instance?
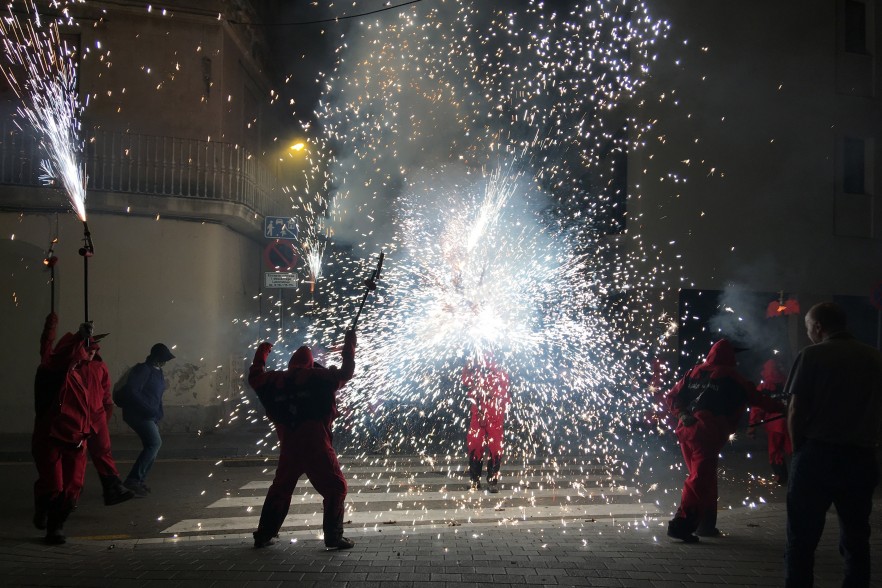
(701, 448)
(306, 449)
(779, 441)
(99, 450)
(485, 428)
(61, 467)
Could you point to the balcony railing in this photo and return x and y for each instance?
(155, 165)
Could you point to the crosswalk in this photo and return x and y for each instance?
(413, 494)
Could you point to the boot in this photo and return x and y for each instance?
(677, 528)
(114, 490)
(493, 473)
(780, 471)
(707, 525)
(333, 527)
(41, 511)
(476, 464)
(59, 510)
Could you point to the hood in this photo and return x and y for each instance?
(721, 353)
(771, 373)
(302, 358)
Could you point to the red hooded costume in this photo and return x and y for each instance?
(709, 401)
(487, 387)
(772, 385)
(301, 403)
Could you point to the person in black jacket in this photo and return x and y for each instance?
(141, 401)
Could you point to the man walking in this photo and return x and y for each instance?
(835, 420)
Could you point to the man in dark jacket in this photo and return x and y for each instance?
(835, 423)
(301, 402)
(141, 401)
(708, 402)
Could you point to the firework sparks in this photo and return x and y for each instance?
(40, 69)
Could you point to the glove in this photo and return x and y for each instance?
(688, 420)
(86, 330)
(263, 351)
(350, 338)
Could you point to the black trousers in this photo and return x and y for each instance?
(823, 474)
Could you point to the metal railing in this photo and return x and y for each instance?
(156, 165)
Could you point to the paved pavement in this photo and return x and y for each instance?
(565, 522)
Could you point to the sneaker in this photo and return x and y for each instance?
(116, 494)
(261, 541)
(476, 485)
(494, 487)
(138, 490)
(341, 543)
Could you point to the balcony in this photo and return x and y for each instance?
(147, 174)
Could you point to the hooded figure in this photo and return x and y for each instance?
(302, 405)
(487, 387)
(708, 403)
(141, 401)
(70, 391)
(772, 384)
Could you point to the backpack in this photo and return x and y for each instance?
(121, 389)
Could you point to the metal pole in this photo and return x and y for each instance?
(370, 285)
(87, 251)
(50, 262)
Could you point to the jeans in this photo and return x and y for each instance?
(823, 474)
(148, 431)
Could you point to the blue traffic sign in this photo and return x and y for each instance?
(280, 227)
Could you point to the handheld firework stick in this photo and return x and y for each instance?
(769, 420)
(87, 251)
(50, 262)
(370, 285)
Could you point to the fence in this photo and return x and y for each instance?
(157, 165)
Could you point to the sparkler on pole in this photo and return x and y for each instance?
(370, 286)
(49, 261)
(49, 102)
(87, 251)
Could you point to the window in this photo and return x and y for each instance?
(853, 166)
(855, 26)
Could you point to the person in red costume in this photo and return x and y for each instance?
(487, 386)
(46, 386)
(68, 416)
(301, 402)
(708, 403)
(772, 384)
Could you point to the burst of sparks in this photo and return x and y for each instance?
(40, 69)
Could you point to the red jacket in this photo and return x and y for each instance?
(487, 387)
(715, 395)
(80, 401)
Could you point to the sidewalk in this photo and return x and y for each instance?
(516, 551)
(583, 554)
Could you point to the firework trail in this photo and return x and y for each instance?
(479, 145)
(40, 69)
